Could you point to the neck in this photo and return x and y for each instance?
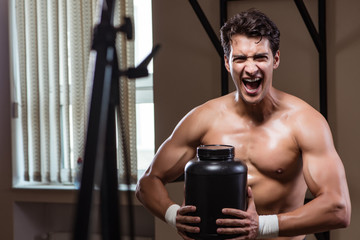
(261, 111)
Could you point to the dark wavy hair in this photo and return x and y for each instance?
(251, 23)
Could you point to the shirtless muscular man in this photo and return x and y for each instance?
(286, 144)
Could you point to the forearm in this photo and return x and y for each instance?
(323, 213)
(152, 193)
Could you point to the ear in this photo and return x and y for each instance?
(227, 64)
(277, 59)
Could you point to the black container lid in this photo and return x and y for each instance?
(215, 152)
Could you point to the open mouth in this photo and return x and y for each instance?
(252, 86)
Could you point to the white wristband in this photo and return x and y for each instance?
(170, 215)
(268, 226)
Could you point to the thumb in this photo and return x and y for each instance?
(251, 203)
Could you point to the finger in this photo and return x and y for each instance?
(186, 209)
(187, 228)
(187, 219)
(234, 212)
(249, 192)
(233, 222)
(251, 202)
(235, 231)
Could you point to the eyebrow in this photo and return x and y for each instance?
(240, 56)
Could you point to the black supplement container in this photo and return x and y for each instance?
(213, 181)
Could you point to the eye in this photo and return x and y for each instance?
(260, 58)
(239, 59)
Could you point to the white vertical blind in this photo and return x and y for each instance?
(32, 78)
(64, 92)
(54, 163)
(20, 60)
(127, 95)
(43, 167)
(76, 39)
(51, 64)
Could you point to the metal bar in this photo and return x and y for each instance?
(224, 72)
(205, 23)
(309, 24)
(322, 235)
(319, 39)
(223, 12)
(322, 59)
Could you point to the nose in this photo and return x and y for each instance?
(251, 68)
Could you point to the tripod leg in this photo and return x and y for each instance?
(94, 149)
(109, 204)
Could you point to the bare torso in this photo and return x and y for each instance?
(269, 149)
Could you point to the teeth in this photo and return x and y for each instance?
(252, 80)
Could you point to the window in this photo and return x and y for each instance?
(51, 91)
(144, 86)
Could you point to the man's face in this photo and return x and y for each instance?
(251, 64)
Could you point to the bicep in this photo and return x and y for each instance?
(325, 177)
(170, 160)
(323, 172)
(322, 166)
(178, 149)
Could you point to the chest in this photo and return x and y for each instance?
(269, 148)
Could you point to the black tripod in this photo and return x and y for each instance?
(100, 148)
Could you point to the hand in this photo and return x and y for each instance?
(245, 224)
(182, 221)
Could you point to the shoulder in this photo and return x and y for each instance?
(201, 118)
(298, 109)
(309, 126)
(303, 114)
(211, 108)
